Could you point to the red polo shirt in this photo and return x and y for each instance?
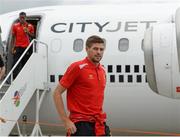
(85, 85)
(21, 38)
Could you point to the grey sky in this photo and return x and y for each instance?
(12, 5)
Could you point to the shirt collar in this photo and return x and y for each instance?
(92, 64)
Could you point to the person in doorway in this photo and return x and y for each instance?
(22, 32)
(85, 82)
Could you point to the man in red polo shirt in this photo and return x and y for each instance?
(85, 82)
(21, 32)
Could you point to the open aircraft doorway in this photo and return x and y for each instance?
(35, 21)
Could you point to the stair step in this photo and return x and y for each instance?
(4, 89)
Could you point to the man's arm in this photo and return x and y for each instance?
(13, 51)
(69, 125)
(31, 34)
(2, 72)
(30, 30)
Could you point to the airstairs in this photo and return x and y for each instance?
(31, 80)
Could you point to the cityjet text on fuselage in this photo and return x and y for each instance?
(128, 26)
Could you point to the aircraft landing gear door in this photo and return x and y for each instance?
(161, 60)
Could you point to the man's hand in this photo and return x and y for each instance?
(26, 30)
(2, 120)
(69, 126)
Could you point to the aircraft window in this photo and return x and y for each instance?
(130, 78)
(139, 78)
(78, 45)
(121, 78)
(136, 68)
(52, 78)
(144, 69)
(55, 46)
(110, 68)
(112, 78)
(118, 68)
(127, 68)
(123, 44)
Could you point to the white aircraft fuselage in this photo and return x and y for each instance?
(129, 102)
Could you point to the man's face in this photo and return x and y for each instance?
(22, 18)
(95, 52)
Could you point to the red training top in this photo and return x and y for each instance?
(85, 85)
(21, 38)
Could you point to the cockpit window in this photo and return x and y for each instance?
(123, 44)
(78, 45)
